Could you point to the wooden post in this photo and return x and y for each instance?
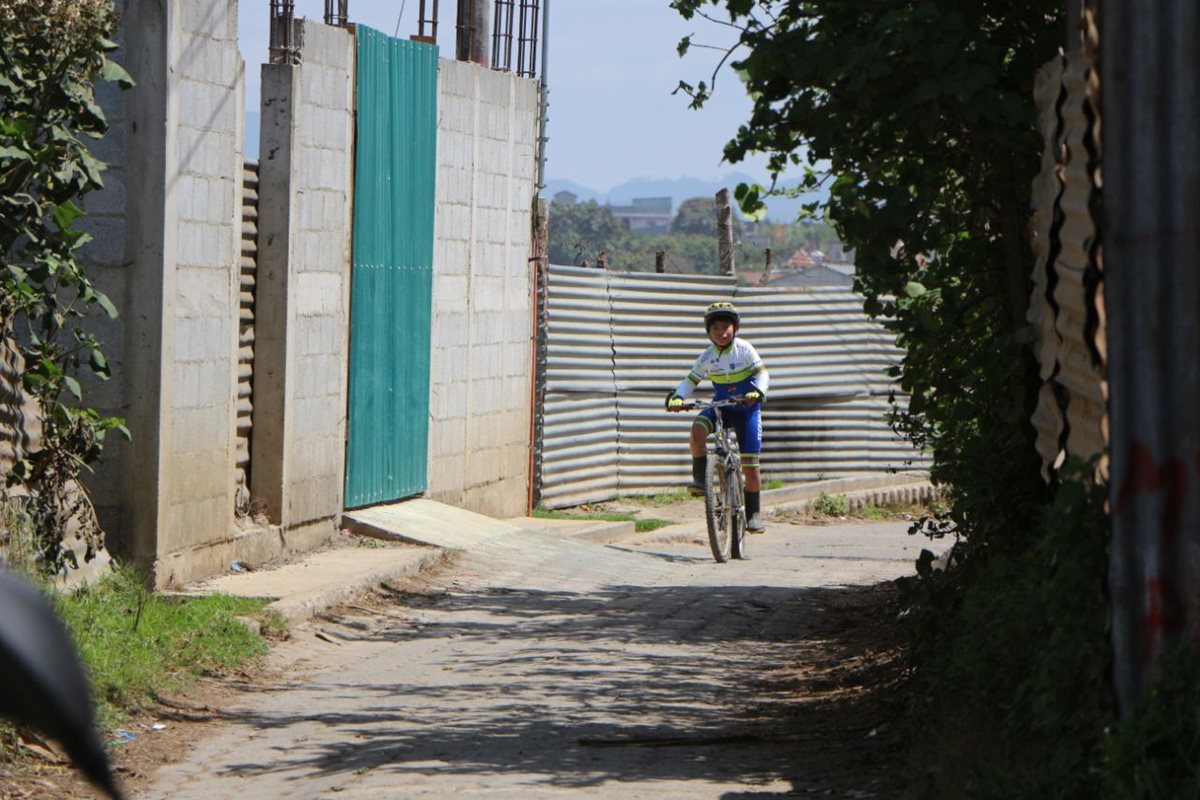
(724, 232)
(659, 266)
(766, 268)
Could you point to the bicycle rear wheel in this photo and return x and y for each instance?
(716, 508)
(737, 510)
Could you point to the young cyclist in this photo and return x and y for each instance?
(735, 369)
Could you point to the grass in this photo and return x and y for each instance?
(639, 525)
(773, 483)
(137, 645)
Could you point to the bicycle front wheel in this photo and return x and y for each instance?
(717, 512)
(736, 489)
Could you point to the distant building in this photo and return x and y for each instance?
(800, 260)
(646, 215)
(564, 198)
(803, 277)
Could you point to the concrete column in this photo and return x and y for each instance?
(152, 44)
(303, 287)
(273, 306)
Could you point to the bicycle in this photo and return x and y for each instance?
(724, 487)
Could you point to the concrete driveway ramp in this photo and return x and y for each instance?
(427, 522)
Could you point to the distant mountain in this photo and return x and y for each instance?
(779, 209)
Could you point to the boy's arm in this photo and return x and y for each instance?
(758, 372)
(698, 372)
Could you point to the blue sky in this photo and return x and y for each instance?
(612, 68)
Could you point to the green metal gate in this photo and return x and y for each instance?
(392, 291)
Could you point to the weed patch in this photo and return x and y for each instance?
(136, 644)
(836, 505)
(660, 499)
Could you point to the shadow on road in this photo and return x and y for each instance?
(748, 685)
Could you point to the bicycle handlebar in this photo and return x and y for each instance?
(729, 401)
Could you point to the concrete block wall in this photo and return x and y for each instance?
(106, 261)
(303, 290)
(480, 399)
(201, 315)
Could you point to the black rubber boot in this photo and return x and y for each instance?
(698, 466)
(754, 523)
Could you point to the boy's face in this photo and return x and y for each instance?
(721, 332)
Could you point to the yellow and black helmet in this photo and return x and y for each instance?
(721, 310)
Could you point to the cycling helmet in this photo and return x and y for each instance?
(721, 310)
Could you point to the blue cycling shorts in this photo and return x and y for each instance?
(746, 422)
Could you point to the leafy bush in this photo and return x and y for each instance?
(1014, 654)
(837, 505)
(51, 55)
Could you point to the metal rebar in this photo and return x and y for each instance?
(533, 49)
(282, 47)
(473, 25)
(522, 38)
(337, 12)
(425, 19)
(508, 36)
(544, 101)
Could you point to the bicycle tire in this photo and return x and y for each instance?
(716, 509)
(737, 511)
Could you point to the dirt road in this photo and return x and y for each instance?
(539, 666)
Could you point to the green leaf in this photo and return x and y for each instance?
(14, 153)
(114, 72)
(66, 213)
(749, 199)
(914, 289)
(107, 305)
(73, 386)
(98, 362)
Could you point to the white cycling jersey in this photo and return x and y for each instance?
(737, 369)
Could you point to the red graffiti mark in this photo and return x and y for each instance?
(1166, 613)
(1145, 475)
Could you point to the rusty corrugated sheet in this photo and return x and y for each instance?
(618, 342)
(1081, 370)
(20, 422)
(245, 386)
(1066, 308)
(1048, 417)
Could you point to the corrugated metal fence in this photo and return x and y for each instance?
(616, 343)
(246, 296)
(1151, 100)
